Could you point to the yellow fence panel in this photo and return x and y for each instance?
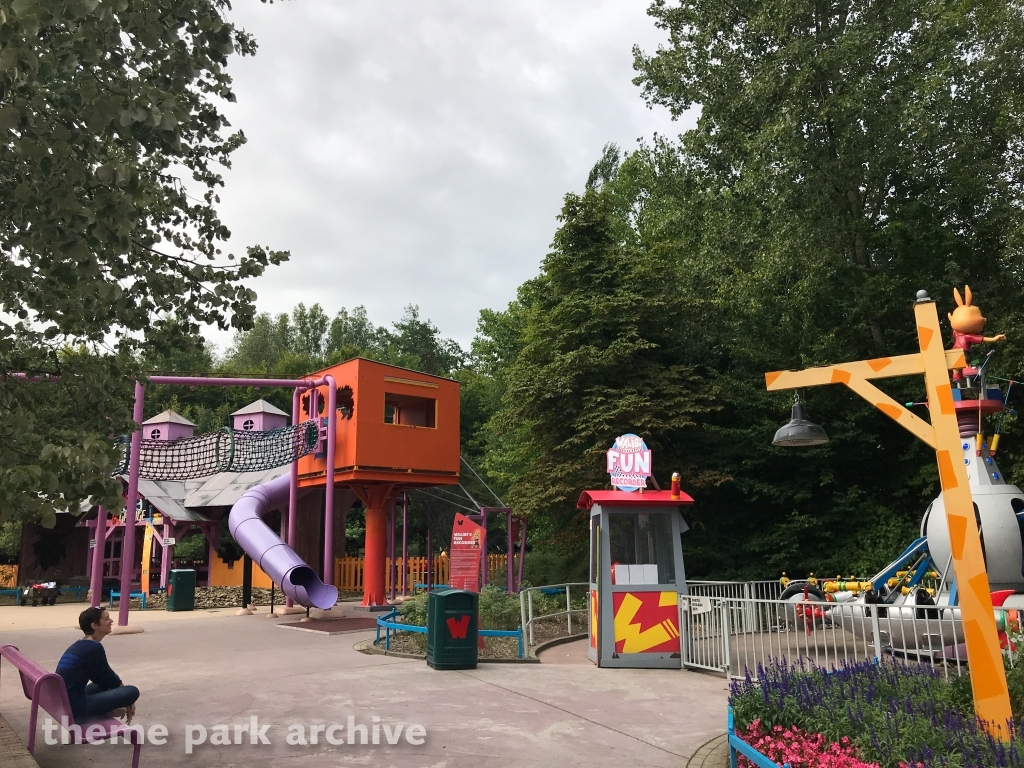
(348, 571)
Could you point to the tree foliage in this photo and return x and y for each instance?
(111, 144)
(847, 154)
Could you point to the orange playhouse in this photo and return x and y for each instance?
(395, 429)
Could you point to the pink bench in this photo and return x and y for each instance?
(46, 690)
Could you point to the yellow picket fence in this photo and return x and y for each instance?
(8, 576)
(348, 571)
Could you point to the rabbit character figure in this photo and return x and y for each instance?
(968, 324)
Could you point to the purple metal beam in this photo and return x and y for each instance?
(128, 545)
(96, 577)
(509, 561)
(332, 444)
(405, 542)
(165, 558)
(214, 381)
(293, 488)
(522, 551)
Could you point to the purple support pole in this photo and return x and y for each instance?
(96, 577)
(393, 568)
(332, 442)
(293, 488)
(128, 545)
(405, 542)
(484, 567)
(430, 562)
(165, 559)
(508, 560)
(522, 552)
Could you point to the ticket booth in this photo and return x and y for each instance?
(636, 575)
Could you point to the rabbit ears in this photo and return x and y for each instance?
(967, 293)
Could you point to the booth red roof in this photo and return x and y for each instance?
(631, 499)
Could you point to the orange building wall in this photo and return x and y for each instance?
(370, 450)
(230, 575)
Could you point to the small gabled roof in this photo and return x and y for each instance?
(168, 417)
(260, 406)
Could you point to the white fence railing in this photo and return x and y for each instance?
(564, 593)
(736, 635)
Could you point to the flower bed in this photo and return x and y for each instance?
(889, 714)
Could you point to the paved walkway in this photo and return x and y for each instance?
(210, 669)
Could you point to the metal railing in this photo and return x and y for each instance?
(389, 624)
(526, 606)
(744, 618)
(735, 636)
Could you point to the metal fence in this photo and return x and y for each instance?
(533, 609)
(735, 636)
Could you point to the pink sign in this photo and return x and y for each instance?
(467, 550)
(629, 463)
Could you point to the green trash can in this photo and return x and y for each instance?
(181, 590)
(452, 619)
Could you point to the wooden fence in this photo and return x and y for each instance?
(8, 576)
(348, 571)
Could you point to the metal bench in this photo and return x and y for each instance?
(46, 690)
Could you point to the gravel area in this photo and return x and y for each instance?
(494, 647)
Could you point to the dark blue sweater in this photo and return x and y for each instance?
(85, 660)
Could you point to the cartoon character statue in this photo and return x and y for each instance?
(968, 324)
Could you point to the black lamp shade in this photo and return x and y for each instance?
(799, 431)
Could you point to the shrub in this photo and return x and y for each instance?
(498, 609)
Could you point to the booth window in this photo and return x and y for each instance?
(410, 411)
(641, 548)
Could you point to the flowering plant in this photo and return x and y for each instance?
(896, 715)
(799, 748)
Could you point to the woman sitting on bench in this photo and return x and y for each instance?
(94, 689)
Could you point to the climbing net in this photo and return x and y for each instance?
(226, 450)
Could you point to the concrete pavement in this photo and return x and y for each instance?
(219, 669)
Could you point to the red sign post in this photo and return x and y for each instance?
(467, 549)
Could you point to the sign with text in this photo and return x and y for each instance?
(467, 551)
(629, 463)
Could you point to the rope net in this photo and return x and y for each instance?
(227, 450)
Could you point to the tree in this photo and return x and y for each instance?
(103, 108)
(847, 154)
(597, 355)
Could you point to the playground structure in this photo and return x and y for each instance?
(390, 430)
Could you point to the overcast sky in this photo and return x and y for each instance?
(418, 152)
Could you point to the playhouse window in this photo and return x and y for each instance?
(410, 411)
(641, 548)
(154, 434)
(248, 424)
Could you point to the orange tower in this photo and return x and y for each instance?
(396, 429)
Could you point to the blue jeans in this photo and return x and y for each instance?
(98, 701)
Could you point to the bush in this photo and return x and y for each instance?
(498, 609)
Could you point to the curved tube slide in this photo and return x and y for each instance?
(276, 558)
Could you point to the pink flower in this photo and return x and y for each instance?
(801, 749)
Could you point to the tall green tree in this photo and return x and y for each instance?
(598, 354)
(111, 145)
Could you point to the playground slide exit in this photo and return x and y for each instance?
(265, 547)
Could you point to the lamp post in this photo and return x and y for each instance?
(988, 680)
